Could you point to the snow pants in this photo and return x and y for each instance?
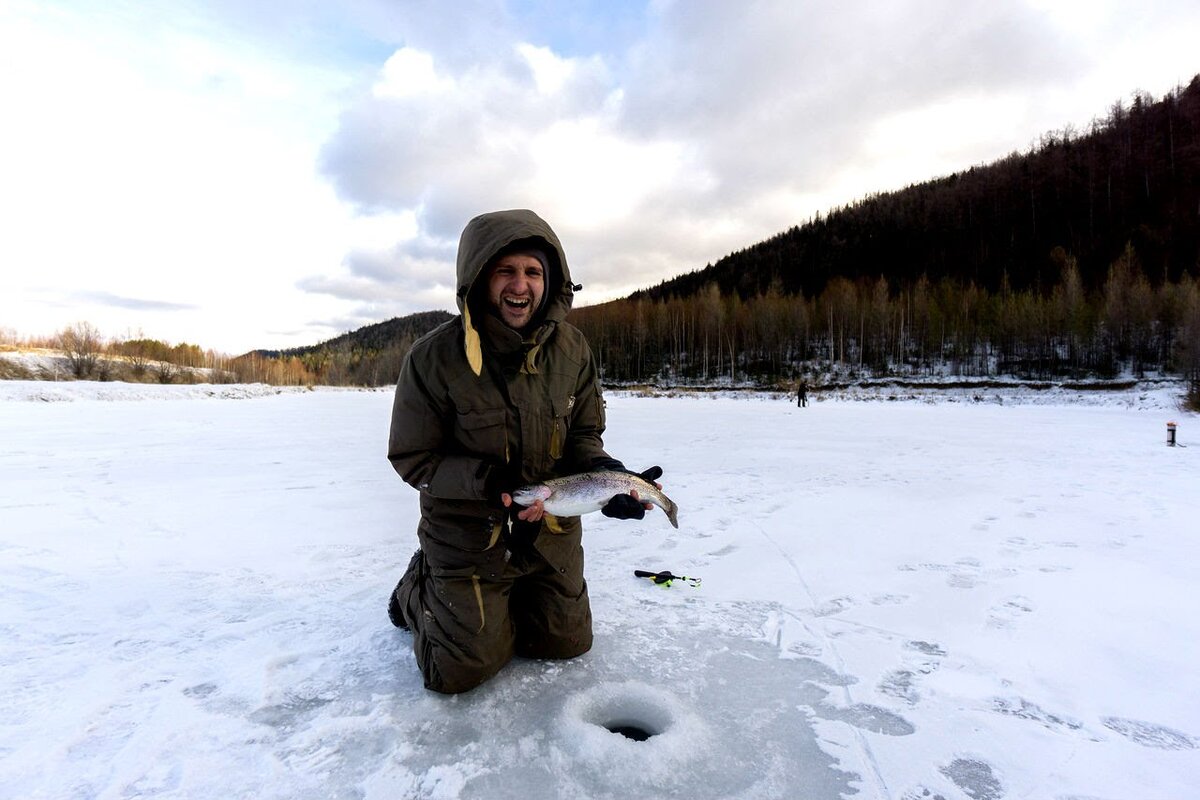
(467, 625)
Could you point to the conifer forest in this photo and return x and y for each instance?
(1077, 259)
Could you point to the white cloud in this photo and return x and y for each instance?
(930, 141)
(550, 73)
(589, 172)
(410, 73)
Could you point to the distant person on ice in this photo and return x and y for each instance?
(802, 394)
(504, 395)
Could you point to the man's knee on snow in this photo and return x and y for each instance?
(450, 673)
(561, 646)
(554, 630)
(454, 655)
(553, 618)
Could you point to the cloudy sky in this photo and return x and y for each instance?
(273, 173)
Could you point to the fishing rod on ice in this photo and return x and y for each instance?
(665, 577)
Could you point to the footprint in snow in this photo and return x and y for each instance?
(1147, 734)
(902, 683)
(928, 648)
(961, 580)
(867, 717)
(985, 524)
(200, 690)
(1005, 615)
(1021, 543)
(1021, 708)
(975, 778)
(835, 606)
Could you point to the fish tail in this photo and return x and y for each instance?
(672, 512)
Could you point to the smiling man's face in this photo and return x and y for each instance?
(516, 284)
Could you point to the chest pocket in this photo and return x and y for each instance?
(483, 432)
(561, 421)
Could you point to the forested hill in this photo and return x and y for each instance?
(1134, 177)
(368, 356)
(378, 336)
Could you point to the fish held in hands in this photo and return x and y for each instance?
(573, 495)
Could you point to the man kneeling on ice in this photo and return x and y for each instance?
(505, 395)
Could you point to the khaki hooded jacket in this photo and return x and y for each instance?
(479, 404)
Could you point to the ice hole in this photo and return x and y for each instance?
(635, 715)
(630, 734)
(629, 731)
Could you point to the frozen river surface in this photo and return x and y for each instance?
(903, 599)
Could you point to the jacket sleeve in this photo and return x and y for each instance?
(585, 435)
(418, 442)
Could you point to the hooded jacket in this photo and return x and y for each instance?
(480, 405)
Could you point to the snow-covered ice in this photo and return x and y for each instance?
(995, 597)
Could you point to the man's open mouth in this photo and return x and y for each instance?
(520, 303)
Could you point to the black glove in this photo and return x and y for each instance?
(497, 480)
(624, 506)
(612, 465)
(651, 475)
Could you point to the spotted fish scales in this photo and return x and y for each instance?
(573, 495)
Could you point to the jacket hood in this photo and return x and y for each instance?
(484, 237)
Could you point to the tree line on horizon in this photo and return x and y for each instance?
(370, 356)
(865, 328)
(87, 354)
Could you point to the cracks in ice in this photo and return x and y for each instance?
(858, 716)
